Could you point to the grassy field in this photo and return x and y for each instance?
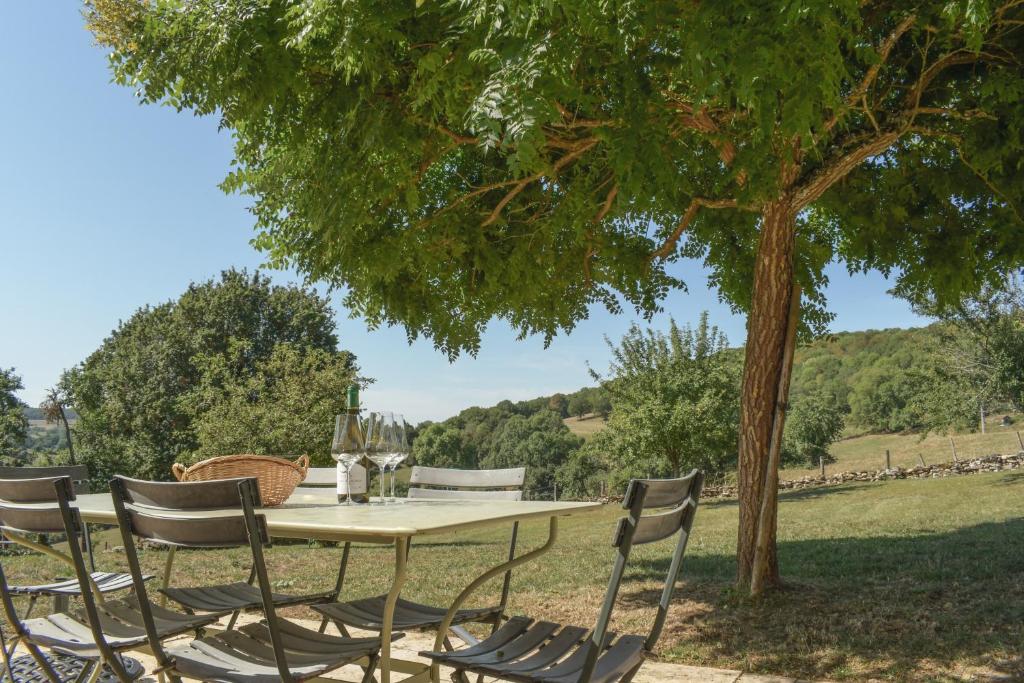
(586, 426)
(902, 580)
(867, 451)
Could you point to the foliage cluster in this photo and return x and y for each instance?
(233, 365)
(13, 423)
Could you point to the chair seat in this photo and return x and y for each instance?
(526, 651)
(107, 582)
(121, 623)
(246, 655)
(368, 614)
(231, 597)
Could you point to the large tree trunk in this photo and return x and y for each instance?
(766, 349)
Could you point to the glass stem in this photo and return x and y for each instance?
(348, 479)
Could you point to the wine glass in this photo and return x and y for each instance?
(347, 445)
(380, 443)
(401, 450)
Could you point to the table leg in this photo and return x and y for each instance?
(401, 559)
(442, 631)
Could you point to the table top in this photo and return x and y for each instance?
(317, 515)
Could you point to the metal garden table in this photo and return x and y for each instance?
(316, 515)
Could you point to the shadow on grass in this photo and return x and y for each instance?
(814, 492)
(916, 607)
(1011, 479)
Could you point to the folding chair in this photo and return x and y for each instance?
(266, 652)
(102, 630)
(526, 651)
(220, 599)
(434, 483)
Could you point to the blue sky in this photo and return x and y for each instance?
(106, 205)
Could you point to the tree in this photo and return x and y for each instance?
(138, 396)
(54, 409)
(559, 404)
(579, 405)
(602, 404)
(441, 445)
(13, 424)
(541, 443)
(982, 343)
(285, 407)
(675, 399)
(448, 163)
(814, 424)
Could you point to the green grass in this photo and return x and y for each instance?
(901, 580)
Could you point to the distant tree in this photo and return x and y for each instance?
(541, 443)
(285, 406)
(580, 475)
(139, 394)
(559, 404)
(675, 399)
(442, 445)
(579, 405)
(813, 425)
(55, 409)
(886, 397)
(602, 404)
(13, 425)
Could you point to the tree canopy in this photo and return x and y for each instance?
(188, 377)
(450, 162)
(675, 402)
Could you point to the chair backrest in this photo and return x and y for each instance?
(79, 474)
(320, 477)
(441, 483)
(147, 509)
(22, 510)
(19, 505)
(680, 496)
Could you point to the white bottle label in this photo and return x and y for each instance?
(356, 483)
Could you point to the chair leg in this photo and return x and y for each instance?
(368, 676)
(234, 618)
(632, 672)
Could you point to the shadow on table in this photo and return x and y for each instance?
(890, 607)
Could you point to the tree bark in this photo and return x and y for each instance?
(762, 373)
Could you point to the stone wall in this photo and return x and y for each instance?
(988, 463)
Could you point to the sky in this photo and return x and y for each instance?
(107, 205)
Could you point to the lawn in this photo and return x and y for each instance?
(900, 580)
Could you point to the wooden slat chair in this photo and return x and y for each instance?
(434, 483)
(102, 629)
(226, 598)
(269, 651)
(526, 651)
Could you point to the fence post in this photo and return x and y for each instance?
(888, 460)
(921, 458)
(952, 445)
(821, 461)
(556, 493)
(1020, 441)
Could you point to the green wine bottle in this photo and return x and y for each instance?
(348, 439)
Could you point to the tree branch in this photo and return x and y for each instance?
(884, 51)
(525, 182)
(830, 174)
(607, 204)
(669, 245)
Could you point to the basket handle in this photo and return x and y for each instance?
(302, 462)
(178, 470)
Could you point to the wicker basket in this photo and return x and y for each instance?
(277, 477)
